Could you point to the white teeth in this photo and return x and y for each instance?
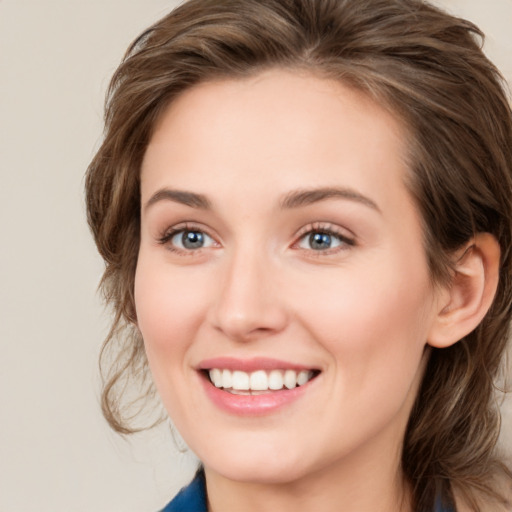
(290, 379)
(226, 379)
(216, 377)
(259, 380)
(240, 380)
(303, 377)
(275, 380)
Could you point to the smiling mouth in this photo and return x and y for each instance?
(258, 382)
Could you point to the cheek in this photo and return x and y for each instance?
(169, 308)
(373, 320)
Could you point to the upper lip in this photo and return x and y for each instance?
(250, 365)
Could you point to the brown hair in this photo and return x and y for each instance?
(424, 65)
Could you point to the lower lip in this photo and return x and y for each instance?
(252, 405)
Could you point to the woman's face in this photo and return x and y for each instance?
(279, 245)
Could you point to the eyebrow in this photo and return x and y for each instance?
(294, 199)
(298, 198)
(180, 196)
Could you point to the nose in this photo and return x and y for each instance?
(250, 301)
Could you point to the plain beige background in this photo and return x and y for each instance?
(56, 452)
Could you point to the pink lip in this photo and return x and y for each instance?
(252, 405)
(249, 365)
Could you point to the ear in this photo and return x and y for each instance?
(465, 300)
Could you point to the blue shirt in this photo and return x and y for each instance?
(192, 498)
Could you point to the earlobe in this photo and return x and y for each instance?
(467, 298)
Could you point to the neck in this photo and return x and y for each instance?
(360, 484)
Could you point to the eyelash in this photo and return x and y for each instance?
(317, 228)
(324, 229)
(169, 234)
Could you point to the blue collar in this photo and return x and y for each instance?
(191, 498)
(443, 508)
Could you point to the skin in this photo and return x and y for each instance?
(362, 312)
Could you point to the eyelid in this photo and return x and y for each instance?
(347, 238)
(167, 235)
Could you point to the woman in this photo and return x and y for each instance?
(305, 212)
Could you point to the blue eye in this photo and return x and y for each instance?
(190, 240)
(322, 241)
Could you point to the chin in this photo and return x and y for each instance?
(259, 466)
(271, 472)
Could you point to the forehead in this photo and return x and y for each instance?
(280, 128)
